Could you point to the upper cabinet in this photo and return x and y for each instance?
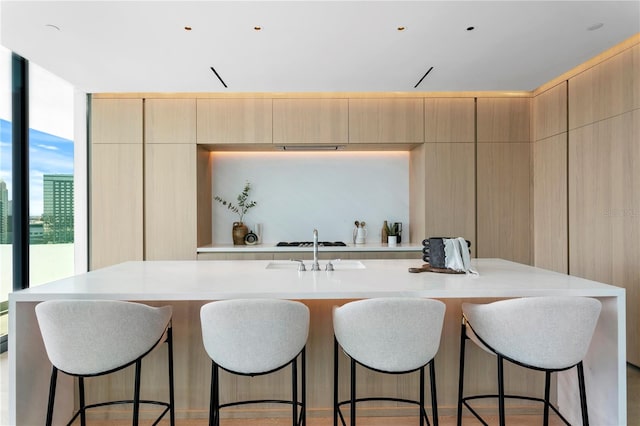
(387, 120)
(234, 121)
(605, 90)
(320, 121)
(170, 121)
(449, 120)
(550, 112)
(116, 121)
(503, 119)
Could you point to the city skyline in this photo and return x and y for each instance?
(48, 154)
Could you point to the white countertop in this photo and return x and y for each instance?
(272, 248)
(211, 280)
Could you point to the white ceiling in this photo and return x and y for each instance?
(142, 46)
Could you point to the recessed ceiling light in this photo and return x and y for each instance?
(53, 27)
(257, 28)
(188, 28)
(595, 26)
(471, 28)
(402, 28)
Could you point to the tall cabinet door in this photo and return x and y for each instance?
(504, 179)
(116, 202)
(170, 179)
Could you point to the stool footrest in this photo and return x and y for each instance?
(389, 399)
(120, 402)
(523, 397)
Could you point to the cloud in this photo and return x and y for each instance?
(49, 147)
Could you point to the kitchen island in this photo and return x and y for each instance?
(187, 285)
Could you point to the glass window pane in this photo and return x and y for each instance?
(51, 176)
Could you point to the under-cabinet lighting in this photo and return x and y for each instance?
(310, 147)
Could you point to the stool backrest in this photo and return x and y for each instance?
(254, 335)
(390, 334)
(88, 337)
(544, 332)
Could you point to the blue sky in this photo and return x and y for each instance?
(48, 154)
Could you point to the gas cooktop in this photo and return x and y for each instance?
(310, 244)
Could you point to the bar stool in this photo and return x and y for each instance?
(253, 337)
(547, 334)
(88, 338)
(388, 335)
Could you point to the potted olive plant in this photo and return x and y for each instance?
(240, 230)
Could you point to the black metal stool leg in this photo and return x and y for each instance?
(83, 416)
(501, 410)
(583, 395)
(421, 410)
(434, 397)
(304, 387)
(136, 394)
(294, 392)
(463, 338)
(547, 386)
(172, 410)
(335, 382)
(52, 395)
(353, 392)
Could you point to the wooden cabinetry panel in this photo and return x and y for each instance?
(389, 120)
(550, 227)
(170, 200)
(503, 119)
(503, 206)
(450, 120)
(604, 210)
(550, 112)
(170, 121)
(297, 121)
(115, 204)
(234, 121)
(608, 89)
(116, 121)
(450, 191)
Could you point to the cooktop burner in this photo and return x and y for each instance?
(310, 244)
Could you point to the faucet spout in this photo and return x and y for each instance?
(316, 265)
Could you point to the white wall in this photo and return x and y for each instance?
(297, 192)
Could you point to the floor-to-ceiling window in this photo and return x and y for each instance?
(50, 182)
(6, 275)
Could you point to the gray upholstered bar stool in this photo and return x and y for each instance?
(547, 334)
(253, 337)
(388, 335)
(88, 338)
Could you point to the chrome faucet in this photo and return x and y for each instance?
(316, 265)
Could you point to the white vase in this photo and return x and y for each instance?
(392, 240)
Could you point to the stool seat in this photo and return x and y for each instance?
(388, 335)
(86, 338)
(549, 334)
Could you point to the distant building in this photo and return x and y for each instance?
(4, 214)
(57, 209)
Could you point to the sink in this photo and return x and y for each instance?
(341, 265)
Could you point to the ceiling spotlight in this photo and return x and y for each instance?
(187, 28)
(402, 28)
(257, 28)
(471, 28)
(595, 26)
(53, 27)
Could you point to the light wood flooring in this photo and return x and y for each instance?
(633, 411)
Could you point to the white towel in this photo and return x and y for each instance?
(456, 255)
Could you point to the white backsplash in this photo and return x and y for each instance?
(297, 192)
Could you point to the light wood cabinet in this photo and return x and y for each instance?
(604, 210)
(315, 121)
(450, 119)
(234, 121)
(550, 112)
(116, 222)
(503, 207)
(605, 90)
(450, 191)
(503, 119)
(388, 120)
(116, 121)
(550, 215)
(170, 121)
(170, 202)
